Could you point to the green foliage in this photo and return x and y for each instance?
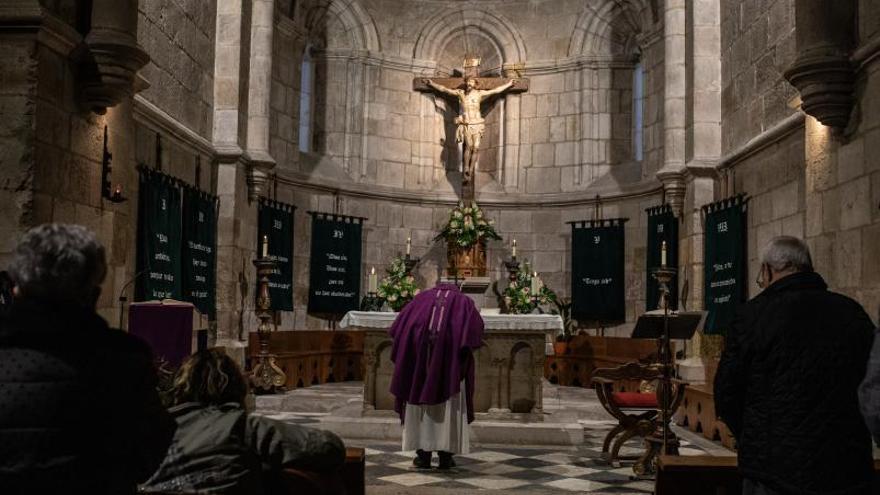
(517, 297)
(468, 226)
(398, 287)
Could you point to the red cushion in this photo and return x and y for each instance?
(635, 400)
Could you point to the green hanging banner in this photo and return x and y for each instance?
(275, 224)
(662, 227)
(200, 250)
(725, 262)
(159, 236)
(597, 271)
(335, 264)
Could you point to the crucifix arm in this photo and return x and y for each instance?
(440, 88)
(500, 89)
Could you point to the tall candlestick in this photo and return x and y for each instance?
(513, 249)
(408, 245)
(265, 246)
(372, 282)
(663, 254)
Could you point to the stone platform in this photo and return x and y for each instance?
(338, 407)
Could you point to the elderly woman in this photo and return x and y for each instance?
(219, 447)
(79, 411)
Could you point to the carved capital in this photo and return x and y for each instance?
(826, 84)
(674, 189)
(259, 167)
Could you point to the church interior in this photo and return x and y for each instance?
(281, 178)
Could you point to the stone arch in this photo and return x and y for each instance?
(357, 22)
(442, 27)
(611, 28)
(522, 398)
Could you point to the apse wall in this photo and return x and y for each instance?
(383, 151)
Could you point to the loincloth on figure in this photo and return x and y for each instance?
(468, 132)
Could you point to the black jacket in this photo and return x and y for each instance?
(223, 449)
(787, 388)
(79, 412)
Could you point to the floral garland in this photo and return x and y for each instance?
(517, 297)
(467, 226)
(399, 287)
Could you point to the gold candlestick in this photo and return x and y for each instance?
(266, 377)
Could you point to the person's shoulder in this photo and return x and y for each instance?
(120, 341)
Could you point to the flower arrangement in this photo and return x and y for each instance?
(467, 226)
(398, 287)
(517, 297)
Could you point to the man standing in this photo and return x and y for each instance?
(79, 411)
(471, 124)
(433, 383)
(786, 385)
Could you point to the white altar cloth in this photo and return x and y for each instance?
(384, 319)
(550, 324)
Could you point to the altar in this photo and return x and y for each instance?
(509, 366)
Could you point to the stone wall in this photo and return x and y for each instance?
(180, 40)
(804, 179)
(757, 45)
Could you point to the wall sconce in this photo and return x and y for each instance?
(115, 195)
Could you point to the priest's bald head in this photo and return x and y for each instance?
(59, 263)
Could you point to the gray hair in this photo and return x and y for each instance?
(787, 253)
(59, 262)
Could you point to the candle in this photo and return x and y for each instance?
(372, 283)
(663, 254)
(265, 246)
(408, 245)
(535, 284)
(513, 249)
(118, 191)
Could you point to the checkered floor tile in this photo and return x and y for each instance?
(572, 470)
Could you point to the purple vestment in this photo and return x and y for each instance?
(433, 339)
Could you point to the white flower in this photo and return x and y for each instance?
(456, 214)
(404, 293)
(481, 223)
(467, 210)
(417, 292)
(392, 298)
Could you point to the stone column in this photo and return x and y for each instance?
(260, 162)
(822, 72)
(703, 153)
(236, 237)
(675, 104)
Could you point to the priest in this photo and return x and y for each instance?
(433, 383)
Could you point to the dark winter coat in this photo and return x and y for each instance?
(787, 388)
(79, 412)
(869, 392)
(223, 449)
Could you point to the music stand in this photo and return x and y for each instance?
(663, 326)
(682, 325)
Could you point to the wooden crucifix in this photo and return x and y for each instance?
(470, 91)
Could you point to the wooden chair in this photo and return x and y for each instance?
(635, 411)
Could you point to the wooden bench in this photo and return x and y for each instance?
(705, 475)
(314, 357)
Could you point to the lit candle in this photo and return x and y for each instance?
(118, 191)
(513, 249)
(265, 246)
(663, 254)
(372, 283)
(535, 284)
(408, 245)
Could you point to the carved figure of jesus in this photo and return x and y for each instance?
(471, 124)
